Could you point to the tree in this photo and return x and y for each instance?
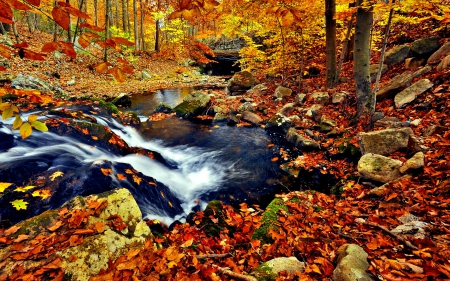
(330, 23)
(136, 27)
(363, 88)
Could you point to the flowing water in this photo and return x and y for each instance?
(199, 163)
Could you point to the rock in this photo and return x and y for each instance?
(219, 117)
(416, 122)
(339, 97)
(352, 264)
(145, 75)
(411, 226)
(5, 63)
(409, 94)
(29, 82)
(321, 97)
(71, 82)
(6, 77)
(313, 110)
(400, 82)
(300, 141)
(282, 92)
(414, 163)
(444, 64)
(233, 119)
(384, 142)
(286, 109)
(241, 82)
(247, 106)
(425, 47)
(251, 117)
(300, 98)
(270, 269)
(413, 63)
(397, 54)
(4, 39)
(192, 105)
(278, 122)
(122, 99)
(379, 168)
(377, 115)
(437, 56)
(327, 121)
(374, 71)
(259, 89)
(162, 108)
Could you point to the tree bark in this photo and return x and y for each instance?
(344, 50)
(55, 27)
(107, 23)
(157, 28)
(128, 16)
(364, 19)
(143, 3)
(2, 28)
(30, 21)
(117, 17)
(96, 12)
(136, 27)
(69, 31)
(330, 31)
(124, 16)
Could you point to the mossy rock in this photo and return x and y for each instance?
(347, 149)
(163, 108)
(214, 209)
(194, 104)
(263, 272)
(109, 106)
(268, 220)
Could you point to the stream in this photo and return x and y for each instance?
(193, 163)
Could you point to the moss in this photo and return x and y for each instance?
(337, 190)
(37, 224)
(264, 273)
(347, 149)
(109, 106)
(215, 210)
(268, 220)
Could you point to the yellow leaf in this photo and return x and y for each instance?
(38, 125)
(287, 19)
(56, 175)
(8, 111)
(4, 185)
(17, 122)
(19, 204)
(25, 130)
(24, 188)
(44, 194)
(188, 243)
(32, 118)
(137, 179)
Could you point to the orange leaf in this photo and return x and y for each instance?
(83, 231)
(99, 227)
(92, 27)
(57, 225)
(137, 179)
(84, 41)
(21, 237)
(128, 171)
(274, 159)
(122, 41)
(50, 47)
(11, 230)
(32, 55)
(106, 171)
(18, 5)
(61, 17)
(77, 13)
(121, 177)
(102, 67)
(67, 48)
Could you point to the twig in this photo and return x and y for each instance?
(234, 274)
(214, 256)
(396, 236)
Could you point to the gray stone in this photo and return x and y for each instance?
(300, 141)
(29, 82)
(219, 117)
(300, 98)
(279, 122)
(414, 163)
(163, 108)
(416, 122)
(4, 39)
(377, 115)
(145, 75)
(314, 109)
(251, 117)
(123, 99)
(6, 77)
(193, 104)
(327, 121)
(444, 64)
(409, 94)
(414, 63)
(411, 226)
(270, 269)
(321, 97)
(379, 168)
(286, 109)
(339, 97)
(397, 54)
(246, 106)
(425, 47)
(259, 89)
(282, 92)
(241, 82)
(437, 56)
(384, 142)
(352, 264)
(71, 82)
(374, 71)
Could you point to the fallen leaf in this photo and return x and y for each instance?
(56, 175)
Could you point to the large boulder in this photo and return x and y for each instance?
(241, 82)
(409, 94)
(123, 100)
(414, 63)
(425, 47)
(352, 264)
(282, 92)
(29, 82)
(251, 117)
(397, 54)
(300, 141)
(321, 97)
(82, 237)
(279, 122)
(379, 168)
(437, 56)
(384, 142)
(270, 269)
(374, 71)
(414, 163)
(193, 104)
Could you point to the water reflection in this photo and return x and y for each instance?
(144, 103)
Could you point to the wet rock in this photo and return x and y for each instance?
(437, 56)
(300, 98)
(282, 92)
(379, 168)
(409, 94)
(278, 122)
(219, 117)
(194, 104)
(286, 109)
(247, 106)
(339, 97)
(270, 269)
(313, 110)
(259, 89)
(377, 115)
(29, 82)
(397, 54)
(425, 47)
(241, 82)
(327, 121)
(414, 163)
(233, 119)
(300, 141)
(251, 117)
(162, 108)
(352, 264)
(122, 99)
(444, 64)
(384, 142)
(374, 70)
(321, 97)
(413, 63)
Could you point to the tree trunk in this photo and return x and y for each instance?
(55, 28)
(128, 16)
(136, 27)
(364, 19)
(143, 3)
(30, 21)
(344, 50)
(2, 28)
(124, 16)
(96, 12)
(16, 34)
(117, 17)
(330, 30)
(107, 19)
(157, 28)
(69, 31)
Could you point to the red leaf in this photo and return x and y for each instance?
(92, 27)
(77, 13)
(93, 35)
(67, 48)
(21, 45)
(50, 47)
(118, 74)
(5, 12)
(36, 3)
(127, 69)
(61, 17)
(5, 20)
(18, 5)
(2, 68)
(32, 55)
(63, 4)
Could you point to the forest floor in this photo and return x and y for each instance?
(311, 232)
